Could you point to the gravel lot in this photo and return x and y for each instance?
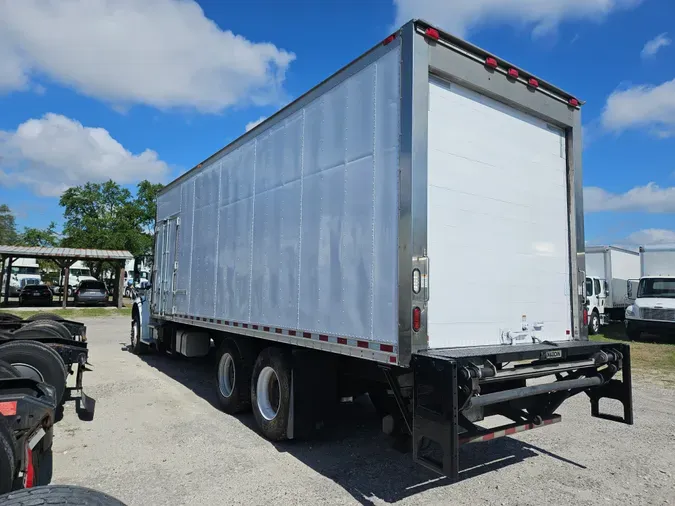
(158, 439)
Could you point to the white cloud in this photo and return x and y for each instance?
(163, 53)
(650, 198)
(651, 236)
(647, 106)
(652, 47)
(253, 124)
(460, 16)
(54, 153)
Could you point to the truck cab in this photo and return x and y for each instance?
(597, 291)
(24, 271)
(654, 308)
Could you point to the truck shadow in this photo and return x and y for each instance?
(352, 451)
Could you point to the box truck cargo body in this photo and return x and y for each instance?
(653, 310)
(414, 222)
(612, 274)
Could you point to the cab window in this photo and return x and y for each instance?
(596, 285)
(589, 286)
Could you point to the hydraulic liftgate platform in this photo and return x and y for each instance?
(455, 387)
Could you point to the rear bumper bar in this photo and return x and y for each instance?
(453, 388)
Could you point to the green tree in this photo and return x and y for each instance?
(8, 234)
(108, 216)
(40, 237)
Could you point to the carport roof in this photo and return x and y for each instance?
(70, 253)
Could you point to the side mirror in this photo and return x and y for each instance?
(629, 289)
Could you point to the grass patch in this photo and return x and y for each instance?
(650, 357)
(75, 313)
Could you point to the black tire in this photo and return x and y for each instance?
(9, 317)
(39, 357)
(7, 457)
(44, 316)
(137, 347)
(59, 494)
(240, 364)
(632, 333)
(51, 326)
(274, 428)
(594, 323)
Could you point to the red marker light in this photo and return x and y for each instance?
(417, 319)
(533, 82)
(389, 39)
(432, 33)
(491, 62)
(513, 73)
(574, 102)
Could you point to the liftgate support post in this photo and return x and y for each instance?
(436, 414)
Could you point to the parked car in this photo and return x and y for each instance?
(35, 295)
(91, 292)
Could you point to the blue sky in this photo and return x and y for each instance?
(97, 89)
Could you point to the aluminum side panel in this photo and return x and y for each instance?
(298, 227)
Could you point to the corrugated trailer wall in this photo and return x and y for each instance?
(297, 228)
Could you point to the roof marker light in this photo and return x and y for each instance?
(533, 82)
(432, 33)
(574, 102)
(389, 39)
(491, 62)
(513, 73)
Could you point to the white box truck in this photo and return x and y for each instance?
(412, 227)
(609, 271)
(653, 310)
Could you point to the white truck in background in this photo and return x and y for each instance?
(653, 310)
(321, 253)
(24, 271)
(609, 269)
(143, 273)
(79, 272)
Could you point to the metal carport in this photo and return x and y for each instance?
(65, 258)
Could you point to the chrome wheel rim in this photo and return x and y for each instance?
(134, 333)
(268, 393)
(596, 324)
(226, 375)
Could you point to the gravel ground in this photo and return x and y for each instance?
(158, 439)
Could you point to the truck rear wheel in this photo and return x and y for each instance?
(37, 361)
(233, 376)
(53, 327)
(7, 457)
(44, 316)
(271, 393)
(594, 323)
(59, 494)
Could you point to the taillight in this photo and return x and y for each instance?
(417, 319)
(585, 316)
